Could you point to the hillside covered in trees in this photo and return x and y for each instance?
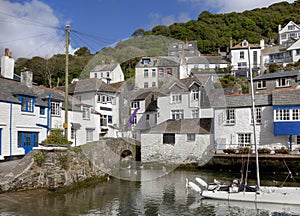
(212, 31)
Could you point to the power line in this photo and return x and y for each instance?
(93, 37)
(84, 42)
(34, 36)
(30, 21)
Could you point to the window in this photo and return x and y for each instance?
(161, 72)
(282, 115)
(244, 139)
(103, 120)
(206, 66)
(297, 139)
(109, 119)
(27, 139)
(217, 66)
(27, 104)
(107, 74)
(257, 115)
(242, 65)
(86, 113)
(147, 117)
(191, 137)
(153, 84)
(195, 95)
(298, 52)
(230, 116)
(175, 98)
(153, 73)
(0, 141)
(89, 134)
(42, 110)
(135, 104)
(291, 27)
(145, 84)
(261, 84)
(146, 73)
(95, 75)
(242, 54)
(296, 114)
(73, 132)
(169, 71)
(177, 114)
(169, 138)
(195, 113)
(196, 66)
(55, 109)
(283, 36)
(283, 82)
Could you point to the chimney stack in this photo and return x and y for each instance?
(26, 77)
(7, 65)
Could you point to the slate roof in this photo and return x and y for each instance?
(183, 126)
(277, 75)
(10, 90)
(104, 67)
(218, 99)
(89, 85)
(160, 61)
(208, 60)
(289, 96)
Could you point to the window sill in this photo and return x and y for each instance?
(27, 113)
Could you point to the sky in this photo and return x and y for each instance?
(37, 27)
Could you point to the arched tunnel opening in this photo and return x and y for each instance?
(126, 154)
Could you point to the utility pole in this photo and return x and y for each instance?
(67, 81)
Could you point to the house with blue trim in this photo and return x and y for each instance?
(286, 106)
(29, 112)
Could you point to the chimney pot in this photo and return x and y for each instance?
(6, 51)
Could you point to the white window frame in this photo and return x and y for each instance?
(55, 109)
(146, 85)
(153, 73)
(296, 114)
(89, 134)
(261, 84)
(244, 139)
(195, 113)
(135, 104)
(282, 115)
(258, 111)
(190, 137)
(195, 94)
(86, 113)
(177, 114)
(242, 54)
(176, 98)
(146, 73)
(283, 82)
(230, 116)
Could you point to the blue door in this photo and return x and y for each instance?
(27, 140)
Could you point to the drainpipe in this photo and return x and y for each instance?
(10, 130)
(49, 114)
(291, 142)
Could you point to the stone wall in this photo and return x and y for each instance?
(59, 168)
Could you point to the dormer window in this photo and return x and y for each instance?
(245, 43)
(146, 61)
(27, 103)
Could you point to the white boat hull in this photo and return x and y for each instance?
(279, 195)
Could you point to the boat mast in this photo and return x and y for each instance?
(254, 122)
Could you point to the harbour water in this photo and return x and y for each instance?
(165, 195)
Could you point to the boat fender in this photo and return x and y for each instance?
(202, 182)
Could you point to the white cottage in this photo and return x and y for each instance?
(180, 141)
(108, 73)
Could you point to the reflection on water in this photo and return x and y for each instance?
(161, 196)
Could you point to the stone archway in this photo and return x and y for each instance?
(126, 153)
